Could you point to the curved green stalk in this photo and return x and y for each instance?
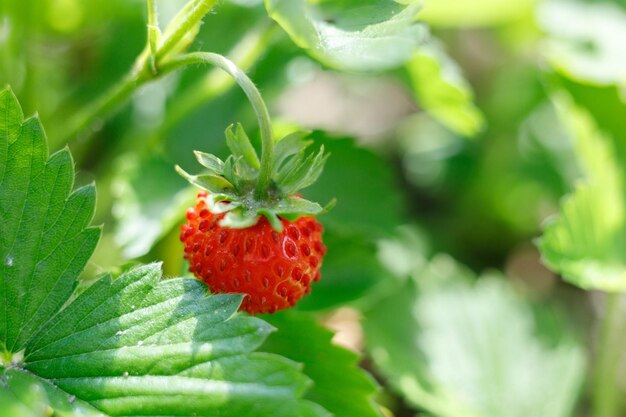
(265, 124)
(244, 54)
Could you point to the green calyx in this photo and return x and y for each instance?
(246, 187)
(234, 184)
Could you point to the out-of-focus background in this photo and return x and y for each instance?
(446, 161)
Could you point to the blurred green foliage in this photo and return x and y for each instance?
(497, 110)
(471, 348)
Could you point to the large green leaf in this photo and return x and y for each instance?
(130, 346)
(370, 35)
(584, 242)
(139, 345)
(44, 241)
(465, 349)
(340, 385)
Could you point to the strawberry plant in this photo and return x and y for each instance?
(299, 208)
(131, 345)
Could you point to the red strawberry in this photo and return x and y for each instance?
(275, 269)
(252, 232)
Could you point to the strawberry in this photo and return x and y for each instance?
(275, 269)
(250, 232)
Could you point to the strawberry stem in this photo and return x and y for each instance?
(261, 192)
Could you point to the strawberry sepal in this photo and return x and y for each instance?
(231, 183)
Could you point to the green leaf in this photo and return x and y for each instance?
(373, 35)
(142, 345)
(605, 103)
(370, 201)
(239, 144)
(584, 241)
(340, 386)
(22, 398)
(442, 91)
(132, 346)
(44, 239)
(473, 349)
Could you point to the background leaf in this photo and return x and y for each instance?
(472, 349)
(358, 36)
(339, 384)
(582, 242)
(442, 91)
(368, 197)
(349, 272)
